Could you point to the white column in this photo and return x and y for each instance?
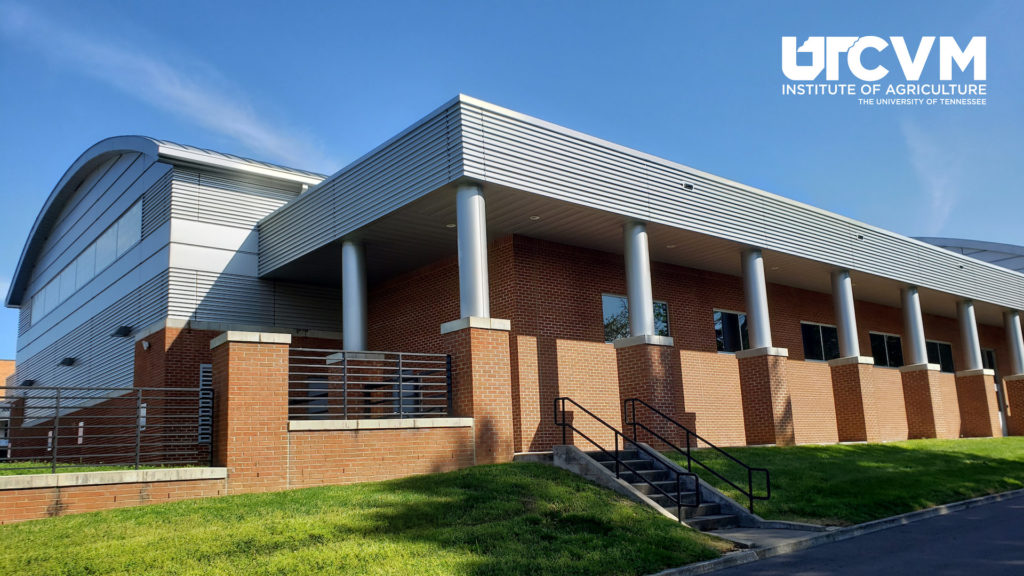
(638, 280)
(969, 334)
(758, 324)
(846, 316)
(913, 324)
(474, 293)
(1014, 340)
(353, 295)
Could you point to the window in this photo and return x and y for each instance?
(81, 431)
(143, 410)
(49, 441)
(616, 317)
(731, 331)
(988, 359)
(821, 341)
(887, 350)
(316, 391)
(940, 353)
(114, 242)
(205, 403)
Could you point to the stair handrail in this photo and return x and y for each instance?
(629, 408)
(560, 402)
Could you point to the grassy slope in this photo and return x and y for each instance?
(504, 519)
(849, 484)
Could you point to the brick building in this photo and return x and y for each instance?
(542, 261)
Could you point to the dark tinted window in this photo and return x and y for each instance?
(942, 354)
(887, 350)
(731, 331)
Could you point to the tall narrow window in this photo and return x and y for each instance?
(887, 350)
(940, 353)
(731, 331)
(143, 409)
(616, 317)
(49, 441)
(988, 360)
(821, 341)
(81, 432)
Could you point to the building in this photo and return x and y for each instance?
(1005, 255)
(543, 262)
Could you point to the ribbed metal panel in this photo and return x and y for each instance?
(506, 148)
(100, 359)
(156, 204)
(246, 300)
(419, 160)
(24, 317)
(240, 201)
(185, 194)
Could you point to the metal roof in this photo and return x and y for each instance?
(153, 150)
(1008, 256)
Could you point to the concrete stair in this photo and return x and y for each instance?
(651, 479)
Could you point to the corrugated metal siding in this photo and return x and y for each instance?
(416, 162)
(247, 300)
(510, 150)
(228, 200)
(24, 317)
(101, 360)
(156, 204)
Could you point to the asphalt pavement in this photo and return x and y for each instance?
(980, 541)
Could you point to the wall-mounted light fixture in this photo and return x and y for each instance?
(145, 344)
(67, 361)
(122, 332)
(28, 382)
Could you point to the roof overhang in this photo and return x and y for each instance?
(394, 195)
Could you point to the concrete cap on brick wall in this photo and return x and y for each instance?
(919, 367)
(644, 339)
(976, 372)
(255, 337)
(764, 351)
(851, 360)
(66, 480)
(1013, 377)
(476, 322)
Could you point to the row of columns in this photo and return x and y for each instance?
(474, 295)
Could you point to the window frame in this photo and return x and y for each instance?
(887, 335)
(740, 328)
(952, 361)
(604, 323)
(821, 337)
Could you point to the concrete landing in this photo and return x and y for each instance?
(763, 537)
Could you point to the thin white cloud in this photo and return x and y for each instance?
(937, 169)
(193, 91)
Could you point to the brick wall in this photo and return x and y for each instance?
(979, 414)
(814, 406)
(30, 504)
(711, 394)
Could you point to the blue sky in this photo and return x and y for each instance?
(315, 86)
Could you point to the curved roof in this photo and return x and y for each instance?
(153, 150)
(1008, 256)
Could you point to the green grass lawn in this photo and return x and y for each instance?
(854, 483)
(501, 519)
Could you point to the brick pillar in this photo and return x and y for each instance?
(651, 372)
(930, 405)
(482, 383)
(250, 383)
(979, 407)
(1013, 391)
(767, 405)
(852, 388)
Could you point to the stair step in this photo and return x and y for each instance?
(623, 455)
(625, 465)
(705, 509)
(713, 522)
(652, 475)
(669, 502)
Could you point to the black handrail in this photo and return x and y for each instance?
(629, 407)
(677, 499)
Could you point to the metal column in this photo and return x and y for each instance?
(471, 216)
(353, 295)
(913, 324)
(846, 315)
(758, 324)
(969, 334)
(1015, 340)
(638, 280)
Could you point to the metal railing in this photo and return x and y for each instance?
(50, 428)
(629, 407)
(677, 498)
(344, 384)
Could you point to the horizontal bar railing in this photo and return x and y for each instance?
(349, 384)
(629, 407)
(47, 428)
(677, 498)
